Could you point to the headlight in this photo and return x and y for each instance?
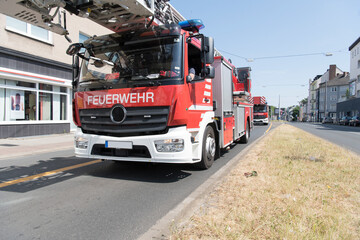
(170, 145)
(81, 142)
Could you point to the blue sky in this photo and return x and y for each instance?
(270, 28)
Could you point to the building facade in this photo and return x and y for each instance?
(313, 110)
(332, 92)
(326, 94)
(355, 69)
(35, 76)
(351, 107)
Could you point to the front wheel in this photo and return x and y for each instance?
(208, 149)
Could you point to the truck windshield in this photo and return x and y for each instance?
(260, 109)
(140, 62)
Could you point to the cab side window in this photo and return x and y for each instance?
(194, 59)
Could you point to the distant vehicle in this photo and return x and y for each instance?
(328, 120)
(354, 121)
(345, 120)
(261, 110)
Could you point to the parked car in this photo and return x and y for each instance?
(345, 120)
(327, 120)
(354, 121)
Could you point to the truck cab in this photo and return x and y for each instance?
(134, 98)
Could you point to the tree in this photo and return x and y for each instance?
(347, 94)
(303, 102)
(296, 112)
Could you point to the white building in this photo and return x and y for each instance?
(35, 76)
(355, 68)
(325, 92)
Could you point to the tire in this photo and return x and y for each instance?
(246, 136)
(208, 149)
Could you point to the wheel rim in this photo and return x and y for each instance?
(210, 146)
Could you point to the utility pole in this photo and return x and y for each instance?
(325, 107)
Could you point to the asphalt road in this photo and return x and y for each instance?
(344, 136)
(104, 200)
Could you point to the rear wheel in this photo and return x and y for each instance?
(208, 149)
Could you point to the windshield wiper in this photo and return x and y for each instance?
(93, 80)
(146, 84)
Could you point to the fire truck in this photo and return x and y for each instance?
(261, 110)
(153, 91)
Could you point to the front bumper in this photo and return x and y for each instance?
(265, 120)
(142, 147)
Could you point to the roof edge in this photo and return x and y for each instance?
(354, 44)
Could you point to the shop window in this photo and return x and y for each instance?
(17, 105)
(17, 83)
(63, 89)
(21, 101)
(63, 107)
(23, 28)
(45, 106)
(46, 87)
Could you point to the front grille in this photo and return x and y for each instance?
(137, 151)
(138, 121)
(259, 117)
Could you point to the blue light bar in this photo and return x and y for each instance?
(192, 23)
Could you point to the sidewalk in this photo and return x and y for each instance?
(22, 146)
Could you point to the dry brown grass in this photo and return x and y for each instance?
(306, 188)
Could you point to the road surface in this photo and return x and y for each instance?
(344, 136)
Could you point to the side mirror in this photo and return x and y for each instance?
(209, 49)
(75, 70)
(209, 72)
(74, 49)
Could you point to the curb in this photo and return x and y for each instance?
(184, 210)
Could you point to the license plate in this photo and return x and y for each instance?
(118, 145)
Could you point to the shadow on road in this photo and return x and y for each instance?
(143, 172)
(42, 166)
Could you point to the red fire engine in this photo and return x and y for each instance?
(152, 91)
(261, 110)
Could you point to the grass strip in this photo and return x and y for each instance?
(305, 188)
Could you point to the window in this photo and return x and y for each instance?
(83, 37)
(21, 101)
(358, 63)
(194, 59)
(28, 30)
(333, 89)
(333, 107)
